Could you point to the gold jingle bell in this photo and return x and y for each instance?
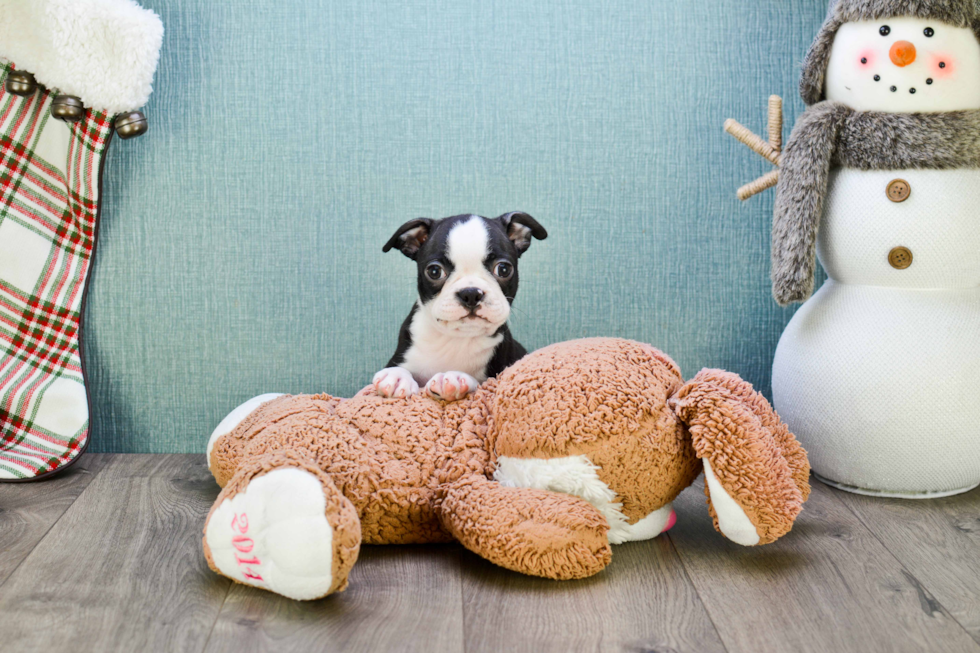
(21, 82)
(130, 125)
(68, 108)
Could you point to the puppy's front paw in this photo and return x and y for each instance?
(451, 386)
(395, 382)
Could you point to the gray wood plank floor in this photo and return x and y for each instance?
(107, 558)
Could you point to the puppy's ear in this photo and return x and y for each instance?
(410, 237)
(520, 227)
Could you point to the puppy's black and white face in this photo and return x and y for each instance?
(467, 268)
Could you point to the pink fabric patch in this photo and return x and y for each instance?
(867, 58)
(942, 66)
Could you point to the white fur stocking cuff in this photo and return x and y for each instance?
(103, 51)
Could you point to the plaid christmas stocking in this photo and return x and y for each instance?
(50, 189)
(50, 177)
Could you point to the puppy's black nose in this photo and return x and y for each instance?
(470, 297)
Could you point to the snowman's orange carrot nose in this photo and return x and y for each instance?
(902, 54)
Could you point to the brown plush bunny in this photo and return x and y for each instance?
(578, 446)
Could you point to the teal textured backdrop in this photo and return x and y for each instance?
(241, 238)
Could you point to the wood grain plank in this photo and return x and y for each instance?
(122, 570)
(829, 585)
(400, 598)
(29, 510)
(937, 540)
(642, 602)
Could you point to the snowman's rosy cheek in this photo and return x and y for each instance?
(942, 66)
(866, 59)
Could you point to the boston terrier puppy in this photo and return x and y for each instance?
(456, 335)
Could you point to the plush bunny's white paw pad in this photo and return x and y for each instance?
(732, 520)
(275, 535)
(235, 417)
(395, 382)
(451, 386)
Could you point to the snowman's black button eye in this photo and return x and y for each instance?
(929, 32)
(877, 78)
(864, 60)
(929, 81)
(885, 30)
(942, 64)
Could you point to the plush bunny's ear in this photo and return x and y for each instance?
(756, 473)
(520, 227)
(410, 237)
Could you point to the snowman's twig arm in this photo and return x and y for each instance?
(755, 143)
(761, 184)
(770, 150)
(776, 123)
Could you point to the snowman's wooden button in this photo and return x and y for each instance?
(900, 258)
(899, 190)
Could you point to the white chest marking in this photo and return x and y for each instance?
(433, 352)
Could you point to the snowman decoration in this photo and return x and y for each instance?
(878, 373)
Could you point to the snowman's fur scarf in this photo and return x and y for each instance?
(103, 51)
(958, 13)
(830, 134)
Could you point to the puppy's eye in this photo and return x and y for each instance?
(885, 30)
(503, 270)
(929, 32)
(435, 272)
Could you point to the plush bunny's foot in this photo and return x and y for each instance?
(451, 386)
(287, 530)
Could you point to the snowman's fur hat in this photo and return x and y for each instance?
(958, 13)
